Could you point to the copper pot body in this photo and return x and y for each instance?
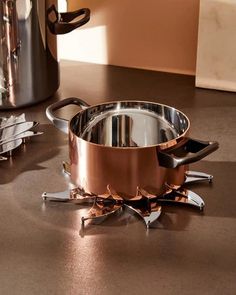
(97, 164)
(94, 167)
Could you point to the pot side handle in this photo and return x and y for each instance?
(61, 23)
(60, 123)
(186, 152)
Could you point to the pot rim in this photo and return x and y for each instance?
(162, 146)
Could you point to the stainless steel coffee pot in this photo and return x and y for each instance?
(29, 69)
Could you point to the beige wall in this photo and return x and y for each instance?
(151, 34)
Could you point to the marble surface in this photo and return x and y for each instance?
(216, 58)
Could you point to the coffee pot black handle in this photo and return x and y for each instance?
(61, 23)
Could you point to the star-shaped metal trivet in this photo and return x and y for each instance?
(146, 205)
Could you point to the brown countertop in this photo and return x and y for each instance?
(43, 249)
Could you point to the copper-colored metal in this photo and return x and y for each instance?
(101, 209)
(176, 176)
(128, 144)
(124, 169)
(143, 203)
(95, 166)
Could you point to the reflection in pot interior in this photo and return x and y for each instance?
(129, 127)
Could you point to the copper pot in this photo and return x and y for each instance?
(128, 145)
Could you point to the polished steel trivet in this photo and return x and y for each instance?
(146, 205)
(14, 130)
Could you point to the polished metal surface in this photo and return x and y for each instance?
(28, 53)
(12, 120)
(94, 166)
(101, 210)
(128, 144)
(14, 130)
(193, 176)
(3, 158)
(184, 196)
(143, 203)
(129, 124)
(23, 135)
(6, 147)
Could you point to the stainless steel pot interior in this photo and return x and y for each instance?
(129, 124)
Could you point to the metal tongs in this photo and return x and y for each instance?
(13, 132)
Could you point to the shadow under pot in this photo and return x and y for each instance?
(128, 145)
